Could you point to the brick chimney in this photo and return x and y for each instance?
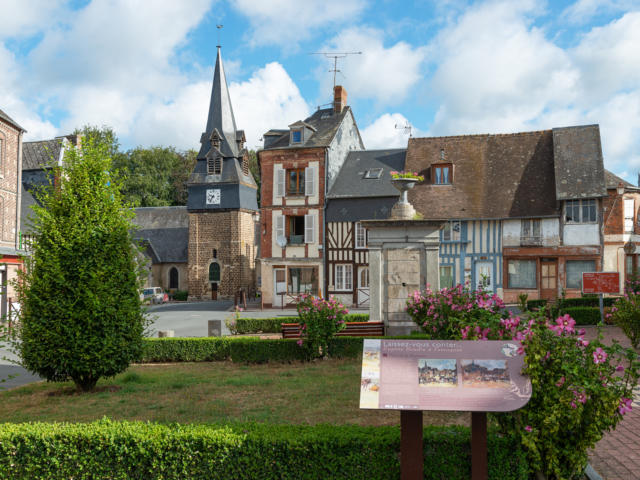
(339, 98)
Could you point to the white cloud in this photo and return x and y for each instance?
(584, 10)
(21, 18)
(388, 131)
(385, 74)
(287, 22)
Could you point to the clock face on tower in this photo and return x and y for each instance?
(213, 196)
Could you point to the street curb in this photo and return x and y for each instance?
(592, 474)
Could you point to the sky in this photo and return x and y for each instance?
(442, 67)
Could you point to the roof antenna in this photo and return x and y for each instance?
(219, 27)
(406, 128)
(335, 56)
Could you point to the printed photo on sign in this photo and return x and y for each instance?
(437, 372)
(485, 374)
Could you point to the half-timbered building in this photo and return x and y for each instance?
(298, 166)
(362, 191)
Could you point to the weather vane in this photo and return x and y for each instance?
(335, 56)
(219, 27)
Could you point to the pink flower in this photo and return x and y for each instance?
(619, 368)
(299, 342)
(599, 356)
(528, 428)
(560, 382)
(625, 405)
(582, 342)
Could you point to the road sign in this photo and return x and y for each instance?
(600, 282)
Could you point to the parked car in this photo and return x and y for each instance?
(153, 295)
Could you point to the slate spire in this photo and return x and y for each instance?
(220, 116)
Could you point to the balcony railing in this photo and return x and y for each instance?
(530, 240)
(296, 239)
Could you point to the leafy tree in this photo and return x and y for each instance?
(81, 317)
(254, 168)
(100, 135)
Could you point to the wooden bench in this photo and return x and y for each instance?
(353, 329)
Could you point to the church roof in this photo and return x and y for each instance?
(220, 116)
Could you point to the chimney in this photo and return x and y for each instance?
(339, 98)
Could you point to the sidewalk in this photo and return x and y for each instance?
(617, 454)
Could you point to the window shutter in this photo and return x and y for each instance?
(309, 178)
(279, 226)
(280, 182)
(309, 229)
(628, 214)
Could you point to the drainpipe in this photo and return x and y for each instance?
(324, 225)
(18, 191)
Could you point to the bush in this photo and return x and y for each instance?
(263, 325)
(205, 349)
(256, 350)
(626, 314)
(180, 295)
(583, 315)
(130, 450)
(320, 320)
(80, 313)
(536, 304)
(587, 301)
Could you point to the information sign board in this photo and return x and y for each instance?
(472, 376)
(600, 282)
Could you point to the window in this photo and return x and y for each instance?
(364, 278)
(629, 213)
(215, 253)
(214, 272)
(173, 278)
(296, 230)
(214, 166)
(451, 231)
(631, 266)
(303, 280)
(296, 136)
(442, 174)
(361, 236)
(521, 273)
(581, 211)
(373, 173)
(245, 165)
(446, 276)
(295, 181)
(344, 277)
(575, 269)
(530, 231)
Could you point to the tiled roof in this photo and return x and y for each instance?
(326, 123)
(612, 180)
(10, 120)
(506, 176)
(40, 154)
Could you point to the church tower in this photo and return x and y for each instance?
(222, 204)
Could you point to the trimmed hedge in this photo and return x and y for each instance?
(131, 450)
(274, 325)
(180, 295)
(533, 304)
(583, 315)
(588, 301)
(177, 349)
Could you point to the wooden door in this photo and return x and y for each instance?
(549, 278)
(363, 286)
(214, 291)
(279, 286)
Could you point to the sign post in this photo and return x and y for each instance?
(600, 283)
(417, 375)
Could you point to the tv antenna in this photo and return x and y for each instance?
(335, 56)
(406, 128)
(219, 27)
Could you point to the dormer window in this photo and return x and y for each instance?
(215, 139)
(296, 135)
(245, 165)
(373, 173)
(214, 165)
(442, 173)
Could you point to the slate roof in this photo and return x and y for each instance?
(165, 231)
(507, 175)
(10, 120)
(40, 154)
(578, 162)
(357, 209)
(351, 181)
(27, 200)
(611, 180)
(326, 123)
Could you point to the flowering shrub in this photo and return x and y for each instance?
(456, 313)
(580, 389)
(232, 321)
(319, 320)
(410, 175)
(626, 314)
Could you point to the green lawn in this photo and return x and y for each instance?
(301, 393)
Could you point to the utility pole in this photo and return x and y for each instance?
(335, 56)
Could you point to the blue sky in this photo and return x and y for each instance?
(445, 67)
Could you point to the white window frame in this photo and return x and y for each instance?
(344, 277)
(629, 214)
(451, 231)
(360, 234)
(581, 204)
(294, 130)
